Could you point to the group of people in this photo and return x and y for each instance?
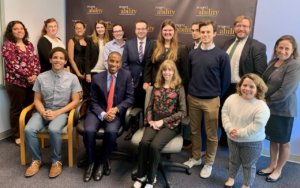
(232, 87)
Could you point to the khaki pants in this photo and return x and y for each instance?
(210, 109)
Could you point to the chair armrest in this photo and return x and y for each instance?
(70, 120)
(80, 110)
(23, 116)
(131, 112)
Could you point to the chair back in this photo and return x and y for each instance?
(147, 98)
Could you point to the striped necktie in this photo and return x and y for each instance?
(141, 54)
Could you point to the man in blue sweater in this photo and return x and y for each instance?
(209, 80)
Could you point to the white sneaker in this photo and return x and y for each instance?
(206, 171)
(139, 182)
(148, 185)
(192, 162)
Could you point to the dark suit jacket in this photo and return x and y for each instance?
(123, 96)
(91, 55)
(131, 60)
(253, 58)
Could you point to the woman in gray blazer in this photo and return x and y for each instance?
(282, 77)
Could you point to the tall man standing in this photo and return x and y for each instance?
(111, 95)
(246, 54)
(209, 79)
(134, 58)
(135, 54)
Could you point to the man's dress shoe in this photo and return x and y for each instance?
(88, 173)
(107, 168)
(98, 174)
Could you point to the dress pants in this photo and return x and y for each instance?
(91, 125)
(149, 150)
(19, 98)
(209, 108)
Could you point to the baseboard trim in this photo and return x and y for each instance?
(5, 134)
(292, 158)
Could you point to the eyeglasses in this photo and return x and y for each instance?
(118, 31)
(241, 26)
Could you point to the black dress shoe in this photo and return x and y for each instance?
(107, 168)
(98, 174)
(271, 180)
(88, 173)
(261, 173)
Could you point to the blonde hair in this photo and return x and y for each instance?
(241, 18)
(160, 44)
(95, 37)
(262, 88)
(176, 79)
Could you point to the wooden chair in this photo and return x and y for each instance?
(67, 134)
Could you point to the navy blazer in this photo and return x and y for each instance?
(131, 60)
(253, 58)
(123, 96)
(282, 86)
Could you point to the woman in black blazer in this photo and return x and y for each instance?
(95, 50)
(166, 47)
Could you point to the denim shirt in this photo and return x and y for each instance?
(56, 88)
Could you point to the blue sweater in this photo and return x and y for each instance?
(209, 73)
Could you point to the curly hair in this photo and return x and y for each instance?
(261, 87)
(8, 35)
(176, 79)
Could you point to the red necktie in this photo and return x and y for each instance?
(110, 98)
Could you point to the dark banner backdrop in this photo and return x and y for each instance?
(183, 13)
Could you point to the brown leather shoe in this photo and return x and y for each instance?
(33, 168)
(55, 169)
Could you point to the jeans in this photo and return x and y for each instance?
(35, 125)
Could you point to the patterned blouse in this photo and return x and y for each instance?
(19, 65)
(167, 104)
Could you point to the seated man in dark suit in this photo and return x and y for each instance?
(111, 94)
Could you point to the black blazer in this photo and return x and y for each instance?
(253, 58)
(151, 68)
(131, 60)
(44, 46)
(91, 55)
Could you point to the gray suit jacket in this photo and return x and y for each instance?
(253, 58)
(282, 83)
